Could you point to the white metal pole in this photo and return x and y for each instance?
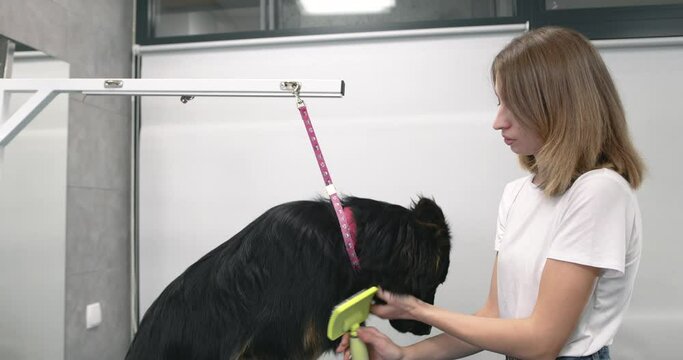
(46, 89)
(12, 126)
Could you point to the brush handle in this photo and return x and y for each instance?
(358, 349)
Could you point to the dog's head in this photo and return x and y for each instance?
(405, 251)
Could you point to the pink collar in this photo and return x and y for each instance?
(347, 224)
(351, 221)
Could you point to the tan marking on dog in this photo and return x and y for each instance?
(312, 341)
(241, 355)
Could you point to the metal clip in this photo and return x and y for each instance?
(295, 88)
(113, 84)
(185, 98)
(299, 101)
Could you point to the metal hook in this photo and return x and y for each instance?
(295, 88)
(296, 91)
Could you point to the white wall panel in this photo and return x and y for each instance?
(33, 225)
(650, 81)
(416, 120)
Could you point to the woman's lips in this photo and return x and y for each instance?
(508, 141)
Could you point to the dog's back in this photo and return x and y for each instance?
(259, 290)
(267, 292)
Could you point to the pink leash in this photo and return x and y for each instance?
(344, 216)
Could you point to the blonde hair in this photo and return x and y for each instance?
(555, 83)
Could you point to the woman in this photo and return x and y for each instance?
(569, 235)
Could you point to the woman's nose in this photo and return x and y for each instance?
(500, 122)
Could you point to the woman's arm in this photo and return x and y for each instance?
(445, 346)
(563, 294)
(442, 346)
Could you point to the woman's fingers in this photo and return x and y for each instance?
(382, 311)
(396, 307)
(343, 344)
(381, 347)
(384, 295)
(344, 347)
(370, 334)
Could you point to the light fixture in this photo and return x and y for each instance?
(339, 7)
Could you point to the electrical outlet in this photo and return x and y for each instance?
(93, 315)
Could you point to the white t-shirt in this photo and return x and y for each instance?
(597, 223)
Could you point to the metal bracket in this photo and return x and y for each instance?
(113, 84)
(290, 86)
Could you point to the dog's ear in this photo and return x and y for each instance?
(427, 212)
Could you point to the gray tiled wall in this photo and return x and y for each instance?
(95, 37)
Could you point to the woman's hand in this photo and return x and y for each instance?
(397, 306)
(380, 347)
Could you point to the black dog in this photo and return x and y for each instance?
(268, 292)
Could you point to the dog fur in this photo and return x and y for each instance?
(268, 292)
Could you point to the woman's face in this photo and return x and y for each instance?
(522, 141)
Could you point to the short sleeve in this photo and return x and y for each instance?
(594, 227)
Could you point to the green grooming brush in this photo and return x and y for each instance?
(347, 317)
